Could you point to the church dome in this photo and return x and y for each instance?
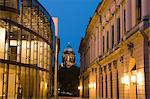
(68, 48)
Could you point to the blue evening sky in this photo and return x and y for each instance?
(73, 17)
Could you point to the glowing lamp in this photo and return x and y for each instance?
(94, 85)
(139, 78)
(90, 85)
(125, 80)
(79, 87)
(133, 79)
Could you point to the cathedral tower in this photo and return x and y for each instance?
(68, 56)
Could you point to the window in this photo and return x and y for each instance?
(106, 86)
(138, 11)
(107, 41)
(11, 3)
(118, 30)
(111, 84)
(124, 21)
(100, 19)
(103, 44)
(13, 56)
(117, 86)
(112, 35)
(102, 87)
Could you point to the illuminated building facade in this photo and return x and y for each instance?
(115, 52)
(26, 42)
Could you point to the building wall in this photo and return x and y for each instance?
(26, 35)
(117, 63)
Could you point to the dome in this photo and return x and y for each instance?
(68, 48)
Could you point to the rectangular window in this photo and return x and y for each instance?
(138, 11)
(102, 87)
(13, 56)
(107, 41)
(124, 21)
(112, 31)
(106, 86)
(118, 30)
(100, 19)
(117, 86)
(111, 84)
(103, 44)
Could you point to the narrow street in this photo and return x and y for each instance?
(68, 97)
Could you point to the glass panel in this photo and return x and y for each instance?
(1, 2)
(2, 42)
(23, 82)
(24, 47)
(11, 82)
(1, 79)
(31, 84)
(13, 51)
(11, 3)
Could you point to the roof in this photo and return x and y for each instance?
(68, 48)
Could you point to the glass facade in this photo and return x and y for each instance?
(26, 40)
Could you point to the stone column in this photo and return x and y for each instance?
(97, 83)
(114, 80)
(101, 82)
(133, 13)
(109, 79)
(128, 15)
(104, 82)
(147, 67)
(120, 75)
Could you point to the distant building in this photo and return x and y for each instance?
(115, 52)
(68, 56)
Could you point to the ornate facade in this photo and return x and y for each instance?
(115, 51)
(26, 40)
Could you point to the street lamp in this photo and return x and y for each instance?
(125, 80)
(134, 79)
(139, 78)
(79, 87)
(92, 85)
